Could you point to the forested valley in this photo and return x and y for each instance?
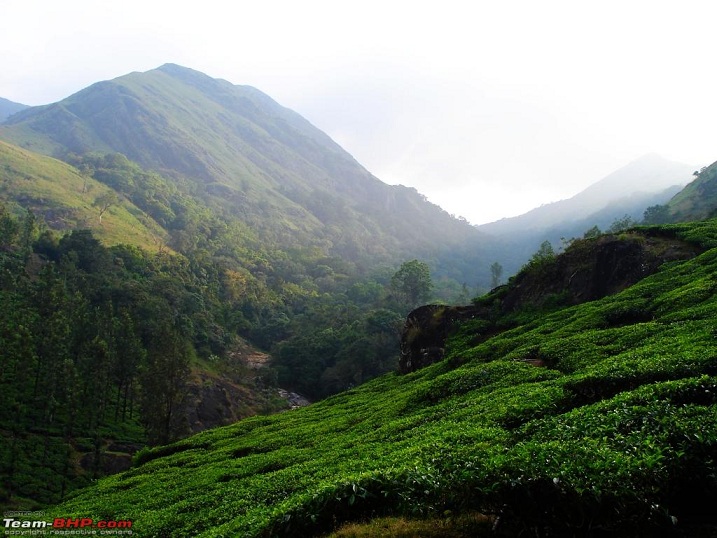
(158, 230)
(99, 342)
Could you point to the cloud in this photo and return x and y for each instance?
(490, 101)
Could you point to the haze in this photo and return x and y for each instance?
(487, 108)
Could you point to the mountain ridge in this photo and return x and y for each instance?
(246, 154)
(8, 108)
(642, 179)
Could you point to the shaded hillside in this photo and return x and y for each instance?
(612, 433)
(697, 200)
(245, 155)
(8, 108)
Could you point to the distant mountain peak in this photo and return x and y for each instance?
(8, 108)
(647, 178)
(180, 71)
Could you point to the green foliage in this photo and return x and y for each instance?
(541, 258)
(90, 346)
(104, 201)
(592, 233)
(412, 283)
(656, 214)
(697, 200)
(61, 198)
(621, 224)
(616, 430)
(496, 272)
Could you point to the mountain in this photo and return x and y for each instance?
(646, 181)
(541, 417)
(629, 191)
(8, 108)
(266, 262)
(698, 200)
(245, 155)
(579, 396)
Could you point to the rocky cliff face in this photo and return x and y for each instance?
(425, 332)
(586, 271)
(242, 388)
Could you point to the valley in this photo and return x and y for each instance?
(185, 265)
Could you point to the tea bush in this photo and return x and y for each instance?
(597, 419)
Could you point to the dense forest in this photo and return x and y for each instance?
(98, 342)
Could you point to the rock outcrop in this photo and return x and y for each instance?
(592, 269)
(425, 332)
(586, 271)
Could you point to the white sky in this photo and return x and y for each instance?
(490, 108)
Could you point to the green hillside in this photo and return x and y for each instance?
(65, 199)
(698, 199)
(294, 242)
(596, 419)
(246, 156)
(302, 241)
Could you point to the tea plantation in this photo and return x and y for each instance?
(613, 434)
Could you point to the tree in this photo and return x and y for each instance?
(9, 227)
(544, 254)
(592, 233)
(656, 214)
(412, 283)
(163, 384)
(104, 201)
(622, 224)
(496, 272)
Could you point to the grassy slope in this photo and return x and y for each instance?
(618, 430)
(53, 190)
(698, 199)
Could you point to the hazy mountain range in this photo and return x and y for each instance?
(8, 108)
(244, 154)
(270, 258)
(646, 181)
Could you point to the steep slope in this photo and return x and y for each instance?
(66, 200)
(246, 155)
(698, 200)
(8, 108)
(613, 428)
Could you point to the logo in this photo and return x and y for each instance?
(62, 526)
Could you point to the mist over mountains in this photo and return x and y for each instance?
(646, 181)
(244, 154)
(177, 253)
(8, 108)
